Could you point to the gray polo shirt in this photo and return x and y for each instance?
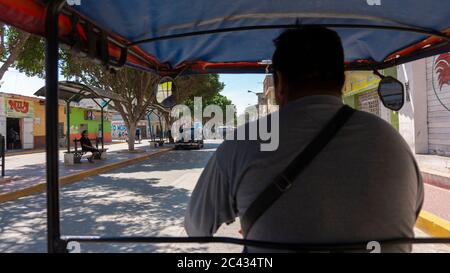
(365, 185)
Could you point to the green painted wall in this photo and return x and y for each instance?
(392, 71)
(353, 99)
(77, 117)
(350, 101)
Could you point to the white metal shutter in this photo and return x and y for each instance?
(438, 116)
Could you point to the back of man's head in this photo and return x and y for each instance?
(309, 58)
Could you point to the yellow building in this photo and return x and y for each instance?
(361, 92)
(39, 123)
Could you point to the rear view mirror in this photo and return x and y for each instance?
(165, 91)
(391, 92)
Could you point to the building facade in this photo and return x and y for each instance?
(17, 121)
(154, 126)
(89, 119)
(425, 118)
(269, 94)
(361, 92)
(22, 122)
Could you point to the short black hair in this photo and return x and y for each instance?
(309, 56)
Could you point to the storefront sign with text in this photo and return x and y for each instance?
(19, 108)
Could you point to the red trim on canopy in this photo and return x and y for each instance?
(29, 15)
(411, 49)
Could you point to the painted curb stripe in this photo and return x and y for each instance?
(433, 225)
(41, 186)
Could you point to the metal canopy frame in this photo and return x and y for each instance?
(129, 48)
(149, 113)
(58, 243)
(75, 92)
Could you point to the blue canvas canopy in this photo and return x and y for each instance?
(236, 36)
(201, 36)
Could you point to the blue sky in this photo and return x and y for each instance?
(236, 86)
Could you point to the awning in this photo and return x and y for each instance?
(202, 36)
(75, 92)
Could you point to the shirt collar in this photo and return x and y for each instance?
(316, 99)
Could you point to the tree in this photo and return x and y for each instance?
(188, 87)
(134, 87)
(137, 89)
(215, 99)
(26, 53)
(13, 44)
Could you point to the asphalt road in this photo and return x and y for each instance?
(146, 199)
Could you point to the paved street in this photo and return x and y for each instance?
(25, 170)
(147, 199)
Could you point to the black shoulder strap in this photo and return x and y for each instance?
(284, 180)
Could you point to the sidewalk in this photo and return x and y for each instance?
(435, 216)
(436, 176)
(36, 151)
(435, 170)
(26, 173)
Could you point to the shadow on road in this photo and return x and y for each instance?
(138, 200)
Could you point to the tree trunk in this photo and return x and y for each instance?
(169, 120)
(131, 135)
(14, 52)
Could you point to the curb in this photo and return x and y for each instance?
(25, 152)
(436, 178)
(433, 225)
(41, 186)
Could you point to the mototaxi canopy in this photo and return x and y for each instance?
(200, 36)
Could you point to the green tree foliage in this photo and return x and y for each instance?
(15, 45)
(137, 88)
(26, 53)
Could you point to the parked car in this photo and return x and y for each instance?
(190, 141)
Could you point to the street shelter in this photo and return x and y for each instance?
(75, 92)
(191, 37)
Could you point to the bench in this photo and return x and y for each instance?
(156, 143)
(79, 154)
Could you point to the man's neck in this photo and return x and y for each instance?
(299, 95)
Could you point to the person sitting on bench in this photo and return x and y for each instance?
(87, 146)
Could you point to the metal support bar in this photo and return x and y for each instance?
(102, 108)
(152, 137)
(3, 153)
(103, 127)
(161, 132)
(55, 244)
(68, 125)
(304, 247)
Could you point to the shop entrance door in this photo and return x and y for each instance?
(28, 134)
(13, 134)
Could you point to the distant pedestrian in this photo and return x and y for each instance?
(138, 135)
(12, 138)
